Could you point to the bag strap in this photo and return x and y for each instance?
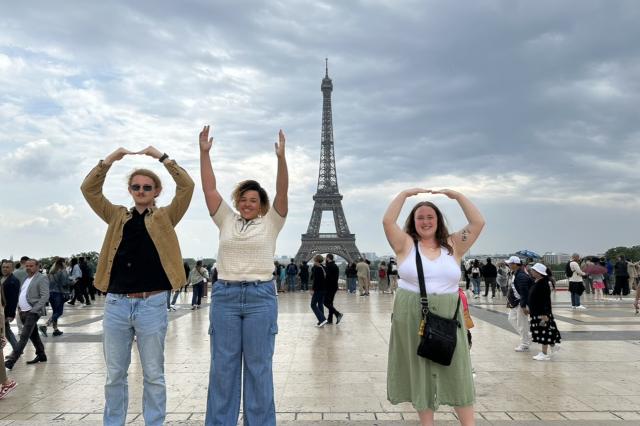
(423, 291)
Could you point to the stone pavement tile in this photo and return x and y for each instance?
(411, 416)
(177, 416)
(628, 415)
(19, 416)
(197, 416)
(590, 415)
(362, 416)
(67, 417)
(49, 417)
(439, 417)
(549, 415)
(554, 403)
(309, 416)
(522, 415)
(388, 416)
(608, 402)
(335, 416)
(285, 416)
(495, 415)
(93, 417)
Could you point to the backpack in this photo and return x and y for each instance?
(567, 269)
(292, 269)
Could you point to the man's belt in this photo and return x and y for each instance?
(144, 294)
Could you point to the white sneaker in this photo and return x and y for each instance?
(542, 357)
(522, 348)
(322, 324)
(573, 307)
(555, 348)
(581, 307)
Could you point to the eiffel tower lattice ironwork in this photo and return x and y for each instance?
(327, 197)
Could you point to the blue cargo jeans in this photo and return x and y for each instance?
(243, 323)
(146, 319)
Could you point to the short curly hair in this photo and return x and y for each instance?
(251, 185)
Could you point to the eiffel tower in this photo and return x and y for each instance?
(327, 197)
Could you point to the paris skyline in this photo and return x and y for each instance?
(527, 108)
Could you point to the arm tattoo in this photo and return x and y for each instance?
(465, 234)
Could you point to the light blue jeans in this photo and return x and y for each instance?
(476, 285)
(146, 319)
(243, 319)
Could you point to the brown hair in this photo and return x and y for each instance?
(442, 233)
(318, 258)
(251, 185)
(148, 173)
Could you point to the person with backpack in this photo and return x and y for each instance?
(575, 274)
(517, 299)
(292, 271)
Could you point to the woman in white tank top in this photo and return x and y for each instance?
(411, 378)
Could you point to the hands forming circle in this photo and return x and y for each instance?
(415, 191)
(119, 153)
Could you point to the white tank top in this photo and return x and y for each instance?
(441, 275)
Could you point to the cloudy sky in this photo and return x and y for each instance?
(529, 108)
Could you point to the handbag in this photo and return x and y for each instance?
(437, 334)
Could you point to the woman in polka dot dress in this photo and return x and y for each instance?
(543, 326)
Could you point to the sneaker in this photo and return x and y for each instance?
(7, 387)
(173, 308)
(522, 348)
(339, 318)
(322, 324)
(581, 307)
(573, 307)
(542, 357)
(555, 348)
(57, 333)
(43, 330)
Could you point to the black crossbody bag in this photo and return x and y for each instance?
(437, 334)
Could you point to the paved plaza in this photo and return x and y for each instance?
(337, 375)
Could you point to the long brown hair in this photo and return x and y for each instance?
(442, 233)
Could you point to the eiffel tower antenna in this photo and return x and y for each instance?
(327, 197)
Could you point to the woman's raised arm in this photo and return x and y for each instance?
(211, 194)
(281, 200)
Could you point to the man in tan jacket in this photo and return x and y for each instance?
(139, 263)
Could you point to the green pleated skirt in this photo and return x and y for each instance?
(417, 380)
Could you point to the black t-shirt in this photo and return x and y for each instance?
(136, 265)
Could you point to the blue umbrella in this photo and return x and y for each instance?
(528, 253)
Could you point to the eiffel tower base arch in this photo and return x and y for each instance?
(343, 247)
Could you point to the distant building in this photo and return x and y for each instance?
(555, 258)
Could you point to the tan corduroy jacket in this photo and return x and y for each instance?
(160, 223)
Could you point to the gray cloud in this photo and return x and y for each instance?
(524, 104)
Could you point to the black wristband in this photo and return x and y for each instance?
(164, 157)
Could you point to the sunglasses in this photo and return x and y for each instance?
(145, 188)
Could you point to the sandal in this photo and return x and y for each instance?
(7, 387)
